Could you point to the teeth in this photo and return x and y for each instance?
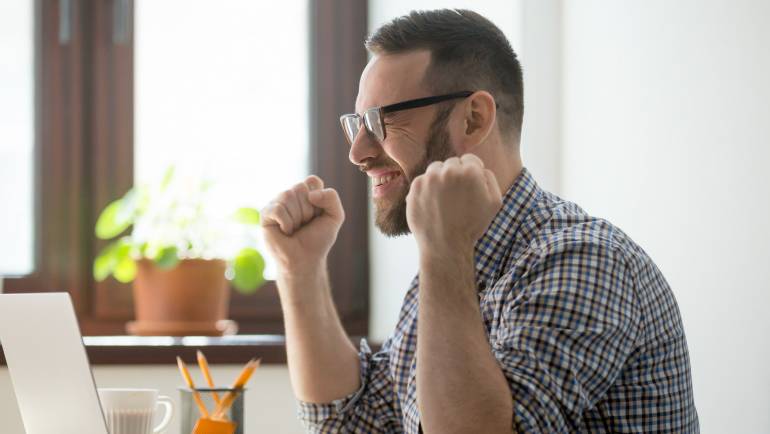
(380, 180)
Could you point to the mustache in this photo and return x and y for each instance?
(379, 165)
(365, 167)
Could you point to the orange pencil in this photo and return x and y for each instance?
(191, 385)
(230, 396)
(204, 365)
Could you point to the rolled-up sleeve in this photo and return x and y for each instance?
(370, 409)
(568, 327)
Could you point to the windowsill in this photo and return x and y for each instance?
(146, 350)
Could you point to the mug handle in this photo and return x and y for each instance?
(166, 402)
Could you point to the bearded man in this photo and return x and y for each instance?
(527, 314)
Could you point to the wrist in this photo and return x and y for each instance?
(448, 279)
(306, 284)
(451, 258)
(301, 271)
(449, 266)
(445, 247)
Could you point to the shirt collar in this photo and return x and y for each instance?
(495, 245)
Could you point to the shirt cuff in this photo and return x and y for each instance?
(313, 414)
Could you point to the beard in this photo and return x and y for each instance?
(390, 215)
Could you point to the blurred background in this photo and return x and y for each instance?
(652, 114)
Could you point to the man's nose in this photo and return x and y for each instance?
(364, 147)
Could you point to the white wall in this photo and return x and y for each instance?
(667, 134)
(270, 405)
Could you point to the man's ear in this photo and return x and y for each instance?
(479, 113)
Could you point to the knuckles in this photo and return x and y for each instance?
(452, 161)
(453, 173)
(454, 170)
(284, 196)
(300, 188)
(471, 159)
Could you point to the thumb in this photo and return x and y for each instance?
(328, 201)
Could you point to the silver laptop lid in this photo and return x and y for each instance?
(48, 365)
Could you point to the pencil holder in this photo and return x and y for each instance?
(189, 413)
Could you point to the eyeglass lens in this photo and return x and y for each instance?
(374, 123)
(351, 124)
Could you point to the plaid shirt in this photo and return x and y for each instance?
(582, 323)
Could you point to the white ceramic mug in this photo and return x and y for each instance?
(131, 411)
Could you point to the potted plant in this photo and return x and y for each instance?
(179, 256)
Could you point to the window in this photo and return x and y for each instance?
(126, 87)
(17, 146)
(209, 98)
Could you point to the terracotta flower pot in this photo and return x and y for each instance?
(190, 299)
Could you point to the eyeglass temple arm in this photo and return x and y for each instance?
(422, 102)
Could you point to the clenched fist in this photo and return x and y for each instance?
(301, 224)
(451, 205)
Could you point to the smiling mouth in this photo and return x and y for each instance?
(382, 180)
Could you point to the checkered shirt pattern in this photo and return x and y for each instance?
(584, 327)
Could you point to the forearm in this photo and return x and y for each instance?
(460, 387)
(323, 364)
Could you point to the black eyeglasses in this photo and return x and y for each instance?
(373, 118)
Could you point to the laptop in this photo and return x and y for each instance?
(48, 365)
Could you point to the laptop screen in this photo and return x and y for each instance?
(48, 365)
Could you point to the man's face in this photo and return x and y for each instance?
(414, 138)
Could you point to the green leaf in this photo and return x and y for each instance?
(113, 220)
(125, 271)
(143, 249)
(105, 263)
(249, 216)
(167, 258)
(248, 268)
(113, 260)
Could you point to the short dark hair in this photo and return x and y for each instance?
(468, 52)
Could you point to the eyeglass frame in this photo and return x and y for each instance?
(391, 108)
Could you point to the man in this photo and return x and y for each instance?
(527, 314)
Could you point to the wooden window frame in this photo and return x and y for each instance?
(84, 160)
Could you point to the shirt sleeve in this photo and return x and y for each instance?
(567, 328)
(371, 409)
